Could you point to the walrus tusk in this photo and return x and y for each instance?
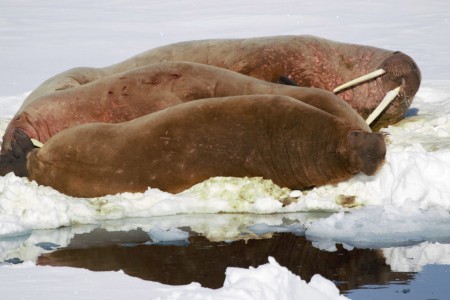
(387, 99)
(36, 143)
(358, 80)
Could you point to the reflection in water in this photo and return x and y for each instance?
(205, 262)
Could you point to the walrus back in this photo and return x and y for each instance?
(272, 136)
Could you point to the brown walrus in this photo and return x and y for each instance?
(307, 60)
(272, 136)
(129, 95)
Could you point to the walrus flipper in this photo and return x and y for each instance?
(16, 159)
(286, 81)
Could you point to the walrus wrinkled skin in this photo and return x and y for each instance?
(309, 61)
(275, 137)
(129, 95)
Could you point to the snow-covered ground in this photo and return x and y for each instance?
(403, 209)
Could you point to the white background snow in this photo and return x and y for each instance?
(404, 208)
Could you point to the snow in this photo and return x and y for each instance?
(37, 282)
(266, 282)
(374, 227)
(269, 281)
(414, 258)
(157, 234)
(403, 209)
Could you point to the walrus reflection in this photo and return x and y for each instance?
(205, 262)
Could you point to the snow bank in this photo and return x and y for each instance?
(408, 201)
(266, 282)
(378, 227)
(172, 235)
(414, 258)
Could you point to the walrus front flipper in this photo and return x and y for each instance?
(16, 159)
(286, 81)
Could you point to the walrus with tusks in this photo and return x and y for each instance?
(307, 60)
(277, 137)
(129, 95)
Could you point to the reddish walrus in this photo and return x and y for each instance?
(129, 95)
(276, 137)
(309, 61)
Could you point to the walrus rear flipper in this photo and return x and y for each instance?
(16, 159)
(286, 81)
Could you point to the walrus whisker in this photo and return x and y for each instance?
(36, 143)
(360, 79)
(387, 99)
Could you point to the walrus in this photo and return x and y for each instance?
(271, 136)
(132, 94)
(307, 60)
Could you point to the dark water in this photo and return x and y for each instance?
(358, 273)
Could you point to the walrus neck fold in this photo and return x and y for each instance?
(287, 152)
(338, 156)
(333, 164)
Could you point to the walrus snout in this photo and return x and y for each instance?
(399, 81)
(15, 160)
(368, 151)
(402, 70)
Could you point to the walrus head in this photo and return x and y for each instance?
(367, 151)
(402, 78)
(15, 160)
(398, 77)
(401, 70)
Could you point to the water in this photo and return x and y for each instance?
(431, 283)
(358, 273)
